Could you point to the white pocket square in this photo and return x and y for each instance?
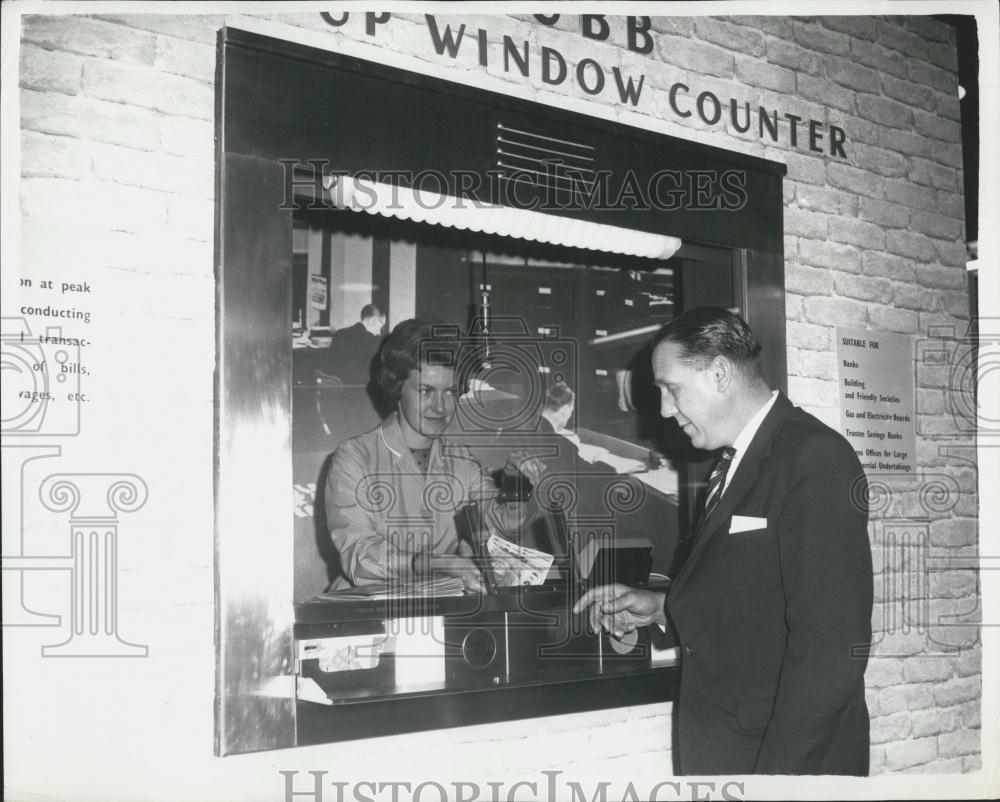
(746, 523)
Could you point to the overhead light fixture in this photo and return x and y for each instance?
(424, 206)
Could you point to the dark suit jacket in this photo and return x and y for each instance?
(351, 354)
(774, 623)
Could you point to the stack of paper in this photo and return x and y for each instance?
(441, 586)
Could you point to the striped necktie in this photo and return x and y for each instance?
(718, 480)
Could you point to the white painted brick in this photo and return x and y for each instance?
(904, 321)
(880, 160)
(937, 225)
(961, 742)
(877, 764)
(970, 661)
(192, 218)
(696, 57)
(852, 75)
(100, 205)
(181, 175)
(835, 312)
(940, 766)
(807, 336)
(899, 38)
(883, 671)
(862, 288)
(972, 714)
(855, 232)
(951, 584)
(859, 130)
(806, 280)
(884, 111)
(822, 90)
(956, 691)
(924, 73)
(854, 180)
(909, 296)
(790, 55)
(936, 127)
(183, 136)
(816, 38)
(88, 119)
(910, 93)
(803, 223)
(185, 57)
(193, 27)
(856, 27)
(933, 721)
(894, 727)
(939, 276)
(951, 204)
(755, 73)
(910, 245)
(888, 215)
(814, 392)
(89, 37)
(928, 669)
(932, 174)
(907, 754)
(43, 155)
(148, 88)
(732, 37)
(821, 199)
(50, 70)
(880, 58)
(834, 255)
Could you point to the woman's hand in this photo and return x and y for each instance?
(525, 462)
(458, 565)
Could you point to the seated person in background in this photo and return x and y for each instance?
(353, 349)
(556, 412)
(392, 493)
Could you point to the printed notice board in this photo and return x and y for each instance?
(877, 412)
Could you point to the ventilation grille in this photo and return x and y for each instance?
(544, 161)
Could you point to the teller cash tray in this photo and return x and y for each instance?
(375, 650)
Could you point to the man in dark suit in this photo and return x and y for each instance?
(354, 348)
(772, 608)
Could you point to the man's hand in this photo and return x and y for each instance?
(619, 609)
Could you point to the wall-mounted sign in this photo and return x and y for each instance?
(317, 292)
(877, 412)
(593, 78)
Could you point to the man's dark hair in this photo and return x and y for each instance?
(558, 395)
(370, 310)
(413, 343)
(706, 332)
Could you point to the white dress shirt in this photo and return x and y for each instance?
(742, 442)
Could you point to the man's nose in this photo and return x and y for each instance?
(667, 408)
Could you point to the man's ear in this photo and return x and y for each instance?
(723, 372)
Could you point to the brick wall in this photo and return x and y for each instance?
(117, 166)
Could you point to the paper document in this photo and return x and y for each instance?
(517, 565)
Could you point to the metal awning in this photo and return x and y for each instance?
(424, 206)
